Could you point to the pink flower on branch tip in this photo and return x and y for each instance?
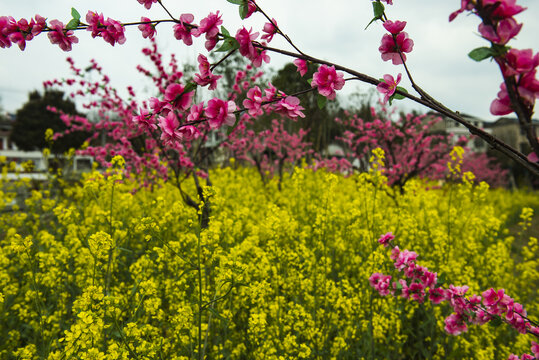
(290, 107)
(270, 29)
(147, 3)
(388, 86)
(245, 38)
(327, 80)
(209, 26)
(183, 31)
(148, 30)
(169, 129)
(206, 76)
(502, 9)
(175, 95)
(394, 27)
(145, 120)
(302, 66)
(251, 8)
(220, 112)
(196, 112)
(391, 44)
(110, 30)
(253, 102)
(188, 132)
(455, 324)
(386, 239)
(519, 62)
(502, 104)
(64, 38)
(505, 31)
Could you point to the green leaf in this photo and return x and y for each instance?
(189, 87)
(228, 45)
(321, 101)
(75, 14)
(399, 96)
(72, 24)
(244, 9)
(480, 53)
(378, 9)
(309, 81)
(496, 321)
(233, 127)
(398, 286)
(225, 32)
(237, 2)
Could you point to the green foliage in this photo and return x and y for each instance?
(33, 118)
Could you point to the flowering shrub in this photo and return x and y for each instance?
(103, 272)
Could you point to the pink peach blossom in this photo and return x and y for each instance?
(301, 65)
(220, 112)
(388, 87)
(148, 30)
(290, 106)
(394, 27)
(245, 39)
(209, 26)
(169, 127)
(183, 31)
(386, 239)
(147, 3)
(175, 95)
(57, 35)
(391, 45)
(327, 80)
(270, 29)
(253, 102)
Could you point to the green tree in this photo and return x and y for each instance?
(33, 119)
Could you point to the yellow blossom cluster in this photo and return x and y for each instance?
(105, 270)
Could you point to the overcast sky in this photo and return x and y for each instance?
(328, 29)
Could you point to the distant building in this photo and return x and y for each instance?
(6, 124)
(506, 129)
(509, 131)
(457, 130)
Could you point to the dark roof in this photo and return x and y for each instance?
(509, 120)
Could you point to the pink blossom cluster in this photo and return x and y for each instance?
(256, 103)
(522, 65)
(499, 26)
(410, 148)
(395, 44)
(60, 36)
(206, 77)
(110, 30)
(246, 40)
(327, 80)
(420, 284)
(18, 32)
(208, 26)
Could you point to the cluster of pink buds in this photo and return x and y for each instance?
(418, 281)
(18, 32)
(499, 26)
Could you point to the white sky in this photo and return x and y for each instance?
(327, 29)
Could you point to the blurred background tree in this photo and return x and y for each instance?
(34, 118)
